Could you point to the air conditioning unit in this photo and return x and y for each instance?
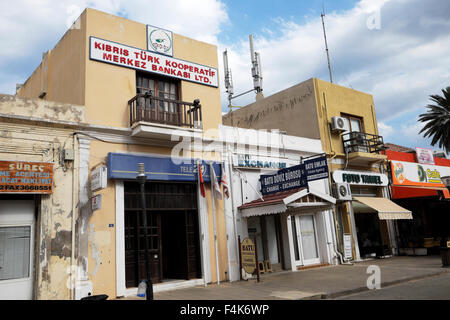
(338, 124)
(342, 191)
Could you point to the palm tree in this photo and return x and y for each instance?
(438, 118)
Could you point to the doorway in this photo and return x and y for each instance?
(16, 249)
(172, 232)
(304, 234)
(266, 231)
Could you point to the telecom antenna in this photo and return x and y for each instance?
(256, 74)
(228, 79)
(256, 67)
(326, 46)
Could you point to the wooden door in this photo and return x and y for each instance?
(135, 247)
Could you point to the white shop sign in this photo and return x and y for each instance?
(348, 254)
(139, 59)
(365, 178)
(99, 178)
(260, 162)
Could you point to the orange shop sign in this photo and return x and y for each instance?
(417, 174)
(26, 177)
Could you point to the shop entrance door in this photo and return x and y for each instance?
(16, 249)
(306, 251)
(173, 232)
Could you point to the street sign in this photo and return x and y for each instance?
(248, 255)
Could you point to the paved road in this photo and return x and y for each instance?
(432, 288)
(331, 282)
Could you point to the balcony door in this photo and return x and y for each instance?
(354, 125)
(158, 110)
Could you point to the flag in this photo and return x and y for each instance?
(215, 183)
(200, 181)
(224, 183)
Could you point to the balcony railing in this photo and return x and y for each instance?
(362, 142)
(148, 108)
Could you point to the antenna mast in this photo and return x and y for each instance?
(256, 67)
(228, 79)
(256, 74)
(326, 46)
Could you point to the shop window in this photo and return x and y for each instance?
(14, 252)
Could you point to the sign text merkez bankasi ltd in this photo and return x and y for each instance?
(285, 179)
(130, 57)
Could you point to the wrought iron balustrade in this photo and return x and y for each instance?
(148, 108)
(362, 142)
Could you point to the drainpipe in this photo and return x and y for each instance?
(230, 170)
(72, 257)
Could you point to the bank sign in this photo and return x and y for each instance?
(159, 40)
(138, 59)
(417, 174)
(295, 177)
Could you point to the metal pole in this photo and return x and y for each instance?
(240, 258)
(257, 264)
(142, 178)
(326, 47)
(214, 220)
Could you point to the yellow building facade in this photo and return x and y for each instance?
(344, 120)
(144, 89)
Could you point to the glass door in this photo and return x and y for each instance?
(310, 252)
(306, 251)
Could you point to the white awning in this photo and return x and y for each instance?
(301, 201)
(387, 210)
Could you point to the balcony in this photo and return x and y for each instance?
(155, 117)
(363, 148)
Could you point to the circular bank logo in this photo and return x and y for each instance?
(160, 41)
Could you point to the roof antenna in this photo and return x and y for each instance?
(256, 75)
(326, 45)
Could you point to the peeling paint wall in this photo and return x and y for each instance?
(28, 141)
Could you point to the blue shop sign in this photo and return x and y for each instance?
(125, 166)
(295, 177)
(316, 168)
(285, 179)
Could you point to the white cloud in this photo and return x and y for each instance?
(400, 64)
(30, 27)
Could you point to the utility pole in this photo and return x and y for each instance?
(141, 179)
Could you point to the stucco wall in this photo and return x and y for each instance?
(61, 73)
(334, 100)
(102, 238)
(26, 139)
(109, 87)
(292, 110)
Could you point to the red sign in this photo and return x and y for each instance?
(130, 57)
(26, 177)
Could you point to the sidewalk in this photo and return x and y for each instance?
(320, 283)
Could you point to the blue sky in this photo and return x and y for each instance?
(396, 50)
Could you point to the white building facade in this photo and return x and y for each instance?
(292, 229)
